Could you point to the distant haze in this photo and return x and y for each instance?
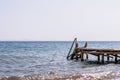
(45, 20)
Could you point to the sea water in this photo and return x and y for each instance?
(42, 57)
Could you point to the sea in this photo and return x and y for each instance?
(27, 59)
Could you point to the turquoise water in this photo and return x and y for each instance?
(29, 58)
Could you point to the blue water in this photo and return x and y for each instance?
(28, 58)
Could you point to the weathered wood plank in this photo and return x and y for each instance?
(101, 49)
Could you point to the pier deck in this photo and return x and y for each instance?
(82, 53)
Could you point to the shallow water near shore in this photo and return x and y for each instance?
(49, 57)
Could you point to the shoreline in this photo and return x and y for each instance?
(109, 75)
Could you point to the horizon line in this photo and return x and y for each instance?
(50, 40)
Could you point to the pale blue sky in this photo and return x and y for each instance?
(59, 20)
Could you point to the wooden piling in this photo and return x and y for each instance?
(98, 58)
(82, 56)
(108, 57)
(87, 56)
(116, 58)
(102, 58)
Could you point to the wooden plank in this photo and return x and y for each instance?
(99, 50)
(71, 48)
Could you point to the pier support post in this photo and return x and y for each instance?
(87, 56)
(82, 56)
(103, 58)
(98, 58)
(108, 57)
(116, 58)
(77, 56)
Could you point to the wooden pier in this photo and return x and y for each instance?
(81, 53)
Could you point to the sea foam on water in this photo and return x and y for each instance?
(110, 75)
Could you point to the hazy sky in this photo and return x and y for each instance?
(59, 19)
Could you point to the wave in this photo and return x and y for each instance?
(110, 75)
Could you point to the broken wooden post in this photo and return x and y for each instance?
(82, 56)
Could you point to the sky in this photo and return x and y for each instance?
(59, 20)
